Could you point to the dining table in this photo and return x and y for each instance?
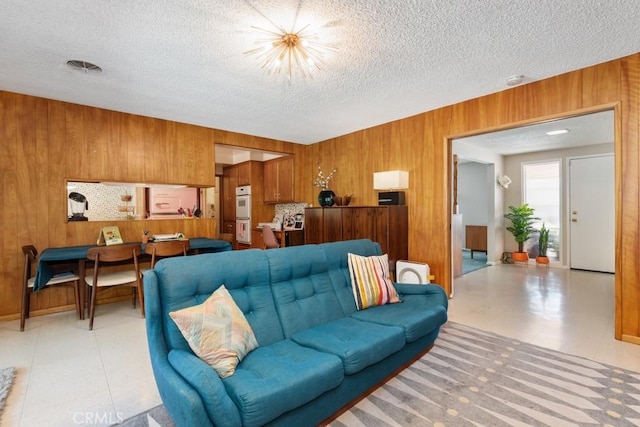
(78, 254)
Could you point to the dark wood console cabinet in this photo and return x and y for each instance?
(387, 225)
(476, 238)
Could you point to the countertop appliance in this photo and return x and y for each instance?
(243, 214)
(77, 206)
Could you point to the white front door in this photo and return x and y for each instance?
(592, 213)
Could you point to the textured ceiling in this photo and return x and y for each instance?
(183, 60)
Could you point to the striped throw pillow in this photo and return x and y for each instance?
(217, 331)
(370, 281)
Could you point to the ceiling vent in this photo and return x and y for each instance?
(85, 66)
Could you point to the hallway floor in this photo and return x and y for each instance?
(68, 375)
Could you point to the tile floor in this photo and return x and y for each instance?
(68, 375)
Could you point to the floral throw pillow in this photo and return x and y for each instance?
(217, 331)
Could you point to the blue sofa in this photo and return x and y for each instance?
(316, 352)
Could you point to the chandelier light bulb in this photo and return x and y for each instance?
(290, 51)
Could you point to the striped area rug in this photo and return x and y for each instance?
(476, 378)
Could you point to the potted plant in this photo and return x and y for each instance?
(521, 227)
(543, 245)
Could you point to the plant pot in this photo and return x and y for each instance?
(520, 256)
(326, 198)
(542, 259)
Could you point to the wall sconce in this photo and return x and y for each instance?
(391, 180)
(504, 181)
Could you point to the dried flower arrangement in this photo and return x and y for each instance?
(322, 181)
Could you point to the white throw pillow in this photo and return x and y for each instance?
(217, 331)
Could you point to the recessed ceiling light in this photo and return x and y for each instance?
(515, 80)
(84, 66)
(557, 132)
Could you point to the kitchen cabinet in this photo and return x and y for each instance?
(387, 225)
(229, 227)
(246, 173)
(229, 184)
(257, 241)
(278, 180)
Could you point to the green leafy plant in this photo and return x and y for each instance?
(522, 219)
(543, 240)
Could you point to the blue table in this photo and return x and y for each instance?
(207, 245)
(79, 253)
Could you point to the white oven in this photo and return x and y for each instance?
(243, 231)
(243, 214)
(243, 202)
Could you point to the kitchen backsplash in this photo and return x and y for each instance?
(290, 209)
(104, 201)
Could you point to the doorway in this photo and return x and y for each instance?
(587, 135)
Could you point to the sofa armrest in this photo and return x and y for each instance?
(432, 291)
(204, 379)
(182, 402)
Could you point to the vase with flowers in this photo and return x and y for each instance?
(326, 196)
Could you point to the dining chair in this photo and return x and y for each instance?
(66, 278)
(227, 237)
(166, 249)
(102, 257)
(270, 240)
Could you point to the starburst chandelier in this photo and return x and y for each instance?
(289, 52)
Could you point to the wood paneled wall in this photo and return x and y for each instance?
(420, 145)
(45, 142)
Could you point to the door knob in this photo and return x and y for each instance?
(574, 220)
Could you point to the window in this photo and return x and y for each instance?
(542, 192)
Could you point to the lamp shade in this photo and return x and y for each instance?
(390, 180)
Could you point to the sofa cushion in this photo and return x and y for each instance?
(189, 281)
(416, 315)
(277, 378)
(337, 259)
(358, 344)
(302, 288)
(370, 281)
(217, 331)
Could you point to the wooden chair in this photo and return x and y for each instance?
(102, 256)
(270, 240)
(227, 237)
(166, 249)
(30, 255)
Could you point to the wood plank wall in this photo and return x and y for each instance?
(44, 142)
(420, 145)
(38, 136)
